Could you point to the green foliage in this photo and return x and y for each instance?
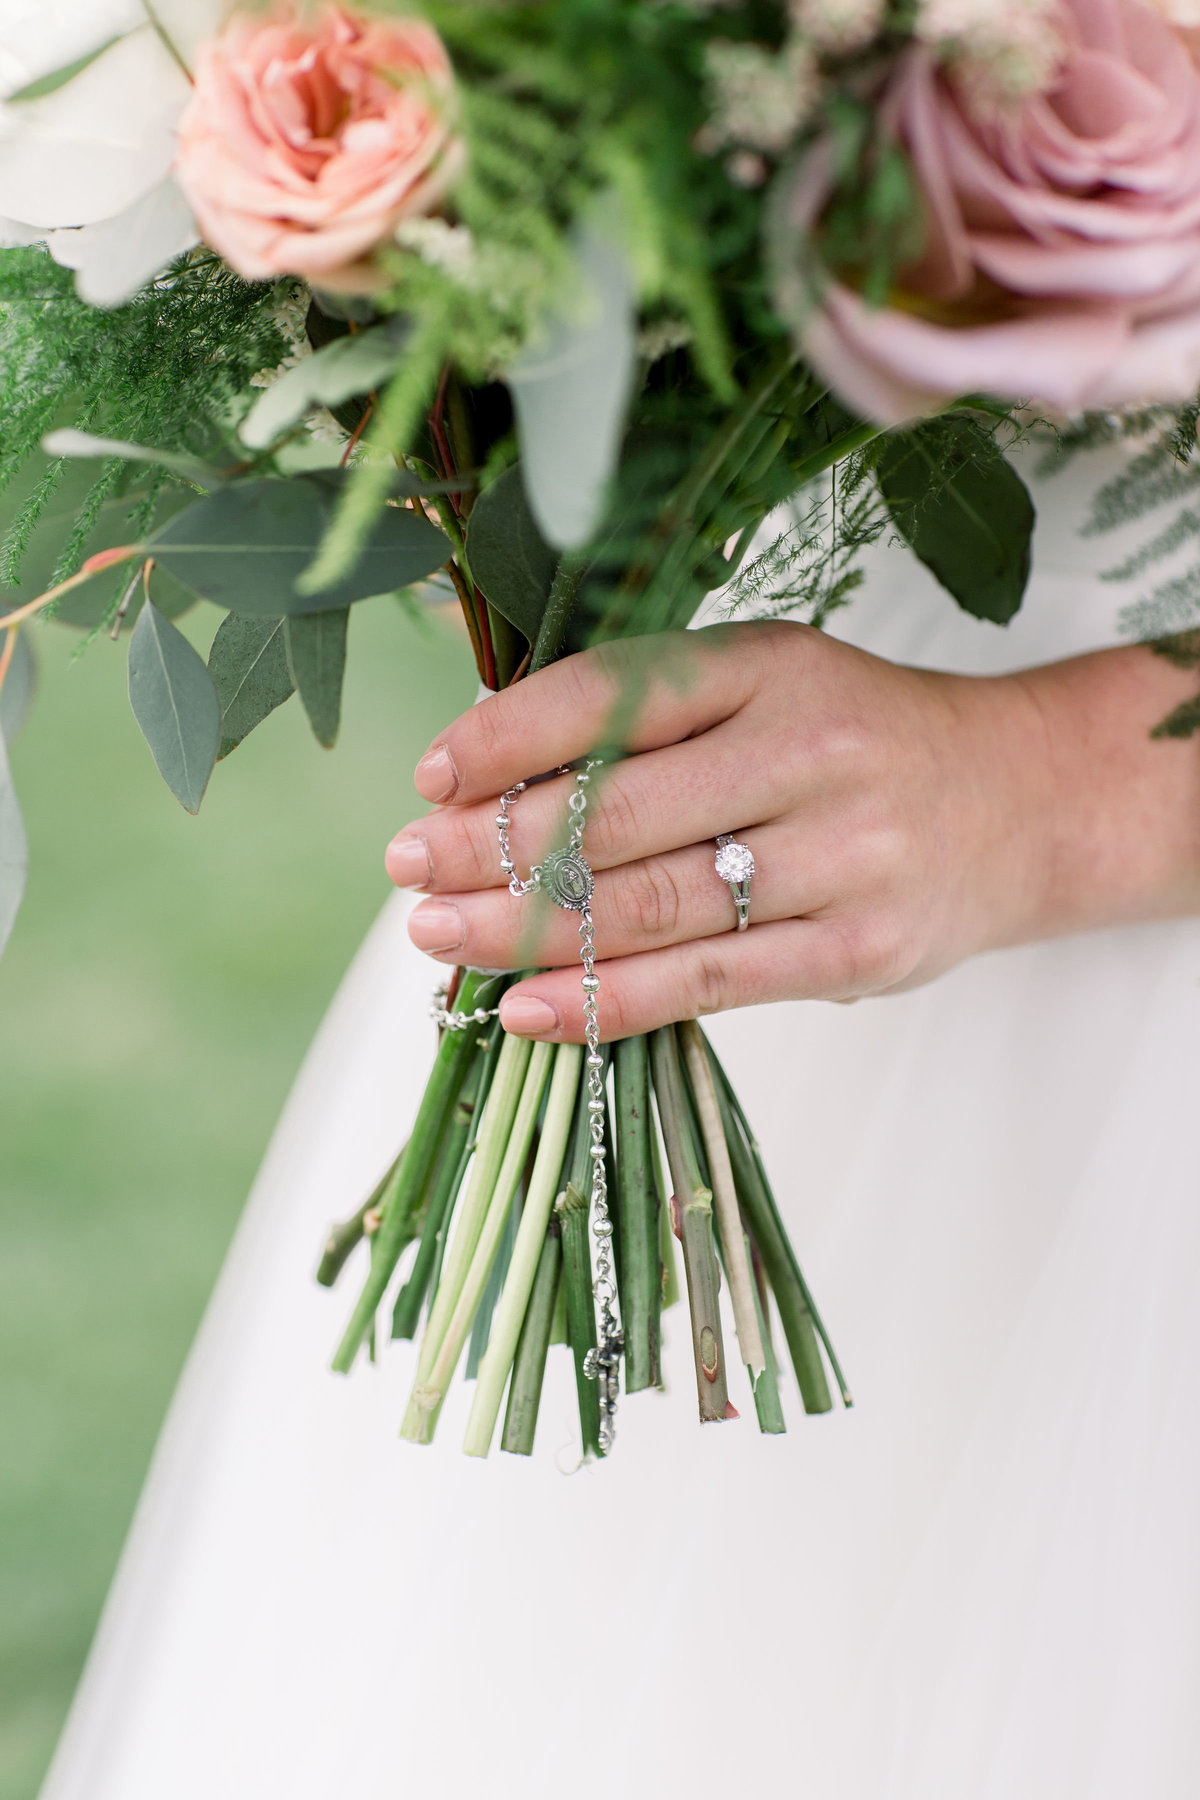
(812, 567)
(175, 704)
(333, 374)
(695, 483)
(1159, 475)
(1183, 650)
(167, 370)
(873, 225)
(247, 546)
(1149, 480)
(510, 561)
(14, 851)
(16, 696)
(561, 105)
(248, 665)
(316, 660)
(1182, 722)
(963, 510)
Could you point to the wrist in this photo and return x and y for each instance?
(1105, 818)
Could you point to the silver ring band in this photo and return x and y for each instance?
(734, 865)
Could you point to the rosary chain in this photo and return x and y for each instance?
(447, 1020)
(602, 1364)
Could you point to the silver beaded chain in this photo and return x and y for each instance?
(567, 879)
(448, 1020)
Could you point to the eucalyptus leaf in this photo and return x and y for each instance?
(316, 655)
(14, 851)
(572, 386)
(348, 365)
(70, 442)
(175, 703)
(511, 562)
(19, 685)
(246, 546)
(56, 78)
(249, 669)
(963, 510)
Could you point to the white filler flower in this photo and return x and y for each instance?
(86, 167)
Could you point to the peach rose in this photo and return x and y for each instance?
(1061, 261)
(305, 143)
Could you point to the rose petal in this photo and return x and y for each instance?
(98, 143)
(120, 255)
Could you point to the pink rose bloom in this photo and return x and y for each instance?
(1061, 261)
(304, 143)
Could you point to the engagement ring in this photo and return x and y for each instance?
(734, 864)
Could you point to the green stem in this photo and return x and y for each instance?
(666, 1236)
(503, 1099)
(725, 440)
(477, 1237)
(655, 594)
(531, 1237)
(843, 445)
(767, 1403)
(561, 600)
(481, 1324)
(802, 1325)
(638, 1208)
(692, 1211)
(456, 1155)
(529, 1364)
(571, 1210)
(345, 1236)
(737, 1263)
(455, 1054)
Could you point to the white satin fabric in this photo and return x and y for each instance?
(983, 1583)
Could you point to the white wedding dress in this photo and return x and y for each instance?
(983, 1583)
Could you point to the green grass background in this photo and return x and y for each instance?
(157, 996)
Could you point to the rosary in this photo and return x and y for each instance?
(566, 879)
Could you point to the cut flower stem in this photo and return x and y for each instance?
(737, 1264)
(531, 1236)
(638, 1206)
(455, 1054)
(477, 1238)
(529, 1364)
(693, 1214)
(802, 1325)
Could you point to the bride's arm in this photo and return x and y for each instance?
(900, 819)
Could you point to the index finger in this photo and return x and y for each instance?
(633, 694)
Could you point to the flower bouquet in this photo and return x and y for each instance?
(575, 315)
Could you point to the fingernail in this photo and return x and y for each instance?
(527, 1017)
(436, 925)
(407, 861)
(436, 776)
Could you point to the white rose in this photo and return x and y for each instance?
(87, 167)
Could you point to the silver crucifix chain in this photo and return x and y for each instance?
(566, 878)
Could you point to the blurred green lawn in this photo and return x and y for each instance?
(160, 988)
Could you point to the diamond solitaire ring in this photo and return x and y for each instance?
(734, 863)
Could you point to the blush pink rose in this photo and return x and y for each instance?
(305, 142)
(1061, 262)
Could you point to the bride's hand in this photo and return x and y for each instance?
(900, 820)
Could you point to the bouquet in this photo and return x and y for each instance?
(575, 315)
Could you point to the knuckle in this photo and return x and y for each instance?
(713, 988)
(653, 898)
(491, 727)
(585, 680)
(614, 820)
(465, 850)
(875, 953)
(878, 851)
(618, 1018)
(841, 742)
